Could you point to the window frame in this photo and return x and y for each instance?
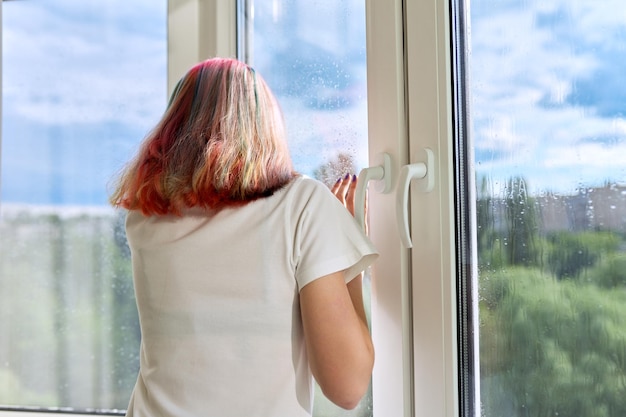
(428, 43)
(198, 30)
(412, 100)
(392, 381)
(1, 55)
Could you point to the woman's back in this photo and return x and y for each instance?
(218, 302)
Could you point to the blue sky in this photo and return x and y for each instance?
(548, 96)
(83, 82)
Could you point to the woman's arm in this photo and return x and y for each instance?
(339, 345)
(338, 342)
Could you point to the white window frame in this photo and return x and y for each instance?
(1, 92)
(414, 291)
(198, 30)
(390, 305)
(433, 221)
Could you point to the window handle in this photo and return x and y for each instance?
(423, 171)
(382, 174)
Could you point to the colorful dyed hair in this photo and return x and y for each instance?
(220, 143)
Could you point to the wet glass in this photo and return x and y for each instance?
(549, 135)
(312, 55)
(82, 83)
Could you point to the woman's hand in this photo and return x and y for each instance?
(344, 189)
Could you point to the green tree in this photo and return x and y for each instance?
(489, 241)
(126, 335)
(569, 254)
(59, 273)
(522, 224)
(611, 273)
(551, 347)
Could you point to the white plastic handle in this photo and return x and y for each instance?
(419, 170)
(381, 173)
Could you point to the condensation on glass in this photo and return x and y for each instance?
(312, 55)
(313, 58)
(83, 81)
(549, 135)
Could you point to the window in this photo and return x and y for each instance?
(82, 82)
(549, 135)
(525, 121)
(523, 117)
(319, 78)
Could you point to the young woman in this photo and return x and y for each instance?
(247, 275)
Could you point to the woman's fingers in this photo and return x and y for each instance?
(350, 194)
(344, 190)
(341, 187)
(336, 186)
(345, 184)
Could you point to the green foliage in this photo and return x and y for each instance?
(552, 313)
(73, 328)
(611, 273)
(492, 251)
(521, 218)
(492, 258)
(14, 389)
(508, 228)
(551, 347)
(127, 338)
(569, 254)
(485, 218)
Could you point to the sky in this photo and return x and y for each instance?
(548, 100)
(85, 80)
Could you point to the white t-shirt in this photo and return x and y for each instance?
(218, 302)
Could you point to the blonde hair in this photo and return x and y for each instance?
(221, 142)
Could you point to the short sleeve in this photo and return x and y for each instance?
(327, 238)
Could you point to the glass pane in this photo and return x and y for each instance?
(319, 78)
(549, 134)
(83, 81)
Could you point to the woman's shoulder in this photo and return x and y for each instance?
(304, 185)
(304, 193)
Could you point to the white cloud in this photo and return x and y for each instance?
(588, 155)
(70, 71)
(521, 76)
